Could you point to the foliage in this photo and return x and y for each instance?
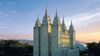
(93, 49)
(15, 48)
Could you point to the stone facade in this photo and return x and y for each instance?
(53, 39)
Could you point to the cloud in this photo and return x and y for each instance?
(18, 36)
(8, 14)
(13, 13)
(89, 37)
(87, 25)
(84, 19)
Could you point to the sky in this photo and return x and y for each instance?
(17, 17)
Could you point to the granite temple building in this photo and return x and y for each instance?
(54, 39)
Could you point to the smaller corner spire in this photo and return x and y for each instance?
(38, 22)
(38, 18)
(71, 26)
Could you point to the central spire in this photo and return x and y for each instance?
(46, 11)
(56, 13)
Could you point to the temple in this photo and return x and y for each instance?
(54, 39)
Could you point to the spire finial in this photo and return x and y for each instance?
(46, 11)
(71, 26)
(38, 22)
(64, 28)
(71, 22)
(63, 20)
(56, 13)
(37, 16)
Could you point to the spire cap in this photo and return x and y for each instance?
(56, 13)
(71, 26)
(46, 11)
(64, 28)
(56, 19)
(38, 22)
(63, 21)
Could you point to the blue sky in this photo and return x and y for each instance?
(17, 17)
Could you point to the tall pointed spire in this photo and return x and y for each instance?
(37, 17)
(56, 19)
(46, 11)
(71, 23)
(46, 19)
(56, 13)
(63, 20)
(71, 26)
(72, 36)
(38, 23)
(64, 28)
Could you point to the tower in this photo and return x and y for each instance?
(65, 35)
(45, 35)
(72, 36)
(37, 37)
(54, 39)
(64, 28)
(56, 36)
